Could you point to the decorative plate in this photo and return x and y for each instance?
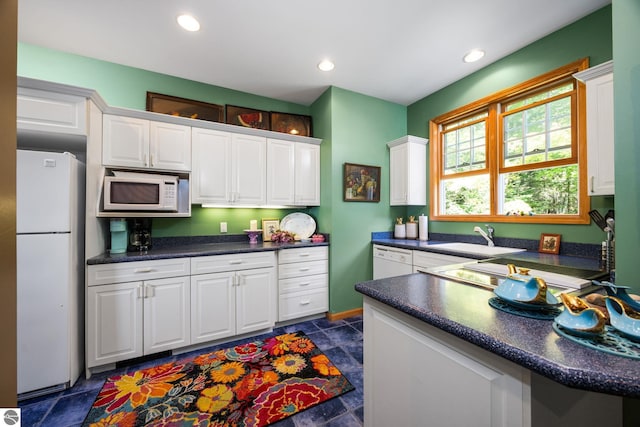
(300, 224)
(529, 306)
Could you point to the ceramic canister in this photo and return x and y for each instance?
(412, 230)
(400, 231)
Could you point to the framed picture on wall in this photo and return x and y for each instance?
(293, 124)
(247, 117)
(183, 107)
(361, 183)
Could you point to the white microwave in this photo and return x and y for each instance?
(139, 191)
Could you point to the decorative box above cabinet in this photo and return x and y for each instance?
(408, 171)
(140, 143)
(600, 141)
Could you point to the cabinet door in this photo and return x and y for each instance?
(211, 162)
(437, 376)
(213, 306)
(125, 141)
(255, 300)
(307, 175)
(408, 171)
(166, 314)
(398, 169)
(114, 323)
(51, 112)
(169, 146)
(600, 156)
(249, 170)
(281, 180)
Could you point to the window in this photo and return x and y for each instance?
(515, 156)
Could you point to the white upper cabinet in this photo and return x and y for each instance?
(281, 164)
(307, 175)
(43, 111)
(140, 143)
(600, 140)
(408, 171)
(228, 169)
(293, 173)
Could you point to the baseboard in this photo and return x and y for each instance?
(344, 314)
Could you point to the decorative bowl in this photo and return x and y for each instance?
(520, 288)
(579, 318)
(619, 292)
(623, 317)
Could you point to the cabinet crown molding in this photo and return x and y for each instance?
(595, 71)
(407, 138)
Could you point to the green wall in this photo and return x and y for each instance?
(360, 127)
(122, 86)
(626, 81)
(589, 37)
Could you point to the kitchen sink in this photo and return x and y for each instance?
(472, 248)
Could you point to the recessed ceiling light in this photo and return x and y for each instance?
(326, 65)
(188, 22)
(473, 55)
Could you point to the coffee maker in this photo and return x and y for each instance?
(139, 235)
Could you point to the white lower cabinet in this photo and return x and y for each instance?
(132, 319)
(303, 282)
(232, 295)
(144, 307)
(436, 379)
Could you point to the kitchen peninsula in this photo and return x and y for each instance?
(437, 352)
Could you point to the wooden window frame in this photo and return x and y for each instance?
(494, 154)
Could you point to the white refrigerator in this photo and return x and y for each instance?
(50, 271)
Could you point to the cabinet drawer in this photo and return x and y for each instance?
(138, 270)
(287, 256)
(297, 269)
(232, 262)
(299, 304)
(296, 284)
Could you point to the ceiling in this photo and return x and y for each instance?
(396, 50)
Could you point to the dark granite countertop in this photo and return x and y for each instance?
(573, 261)
(182, 248)
(463, 311)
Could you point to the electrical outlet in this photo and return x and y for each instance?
(223, 227)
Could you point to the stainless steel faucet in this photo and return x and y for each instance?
(488, 235)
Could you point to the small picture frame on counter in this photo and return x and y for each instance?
(549, 243)
(269, 226)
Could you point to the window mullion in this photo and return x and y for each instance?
(494, 140)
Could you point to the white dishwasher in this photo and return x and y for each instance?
(390, 262)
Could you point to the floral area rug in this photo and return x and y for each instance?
(253, 384)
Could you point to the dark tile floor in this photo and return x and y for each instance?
(341, 341)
